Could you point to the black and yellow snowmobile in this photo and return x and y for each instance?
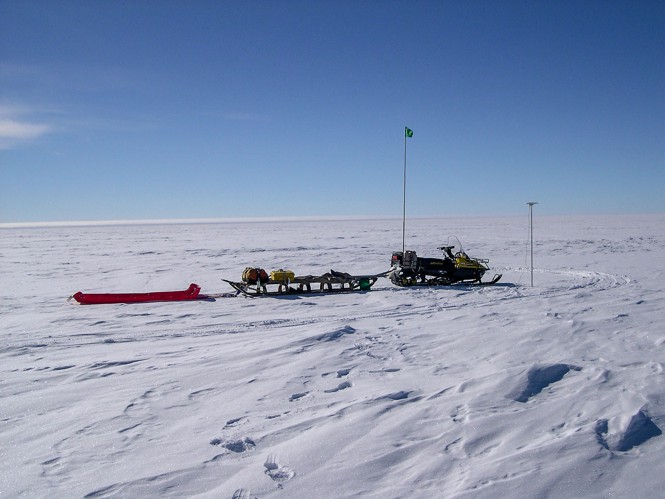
(408, 269)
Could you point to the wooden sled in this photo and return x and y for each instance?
(330, 282)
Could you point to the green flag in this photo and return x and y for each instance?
(408, 132)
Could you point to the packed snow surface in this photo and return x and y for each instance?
(555, 390)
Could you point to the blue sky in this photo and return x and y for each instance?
(196, 109)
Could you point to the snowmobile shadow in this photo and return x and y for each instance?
(472, 286)
(504, 285)
(287, 297)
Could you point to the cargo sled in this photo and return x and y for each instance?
(408, 269)
(191, 293)
(257, 282)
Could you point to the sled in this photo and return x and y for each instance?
(330, 282)
(191, 293)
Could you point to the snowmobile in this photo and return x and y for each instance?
(408, 269)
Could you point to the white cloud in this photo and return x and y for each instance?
(10, 129)
(14, 129)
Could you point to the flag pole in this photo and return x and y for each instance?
(404, 196)
(407, 133)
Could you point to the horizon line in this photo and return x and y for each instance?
(311, 218)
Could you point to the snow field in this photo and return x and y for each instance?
(509, 390)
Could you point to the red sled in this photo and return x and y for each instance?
(191, 293)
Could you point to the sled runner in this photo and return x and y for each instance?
(191, 293)
(284, 282)
(408, 269)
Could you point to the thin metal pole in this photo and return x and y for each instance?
(531, 219)
(404, 198)
(531, 203)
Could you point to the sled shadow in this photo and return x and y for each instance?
(311, 294)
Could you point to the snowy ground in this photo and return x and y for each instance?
(504, 391)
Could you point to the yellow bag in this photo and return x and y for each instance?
(282, 275)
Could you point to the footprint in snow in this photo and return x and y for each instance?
(234, 422)
(242, 494)
(335, 335)
(340, 373)
(341, 386)
(237, 446)
(276, 471)
(460, 413)
(297, 396)
(401, 395)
